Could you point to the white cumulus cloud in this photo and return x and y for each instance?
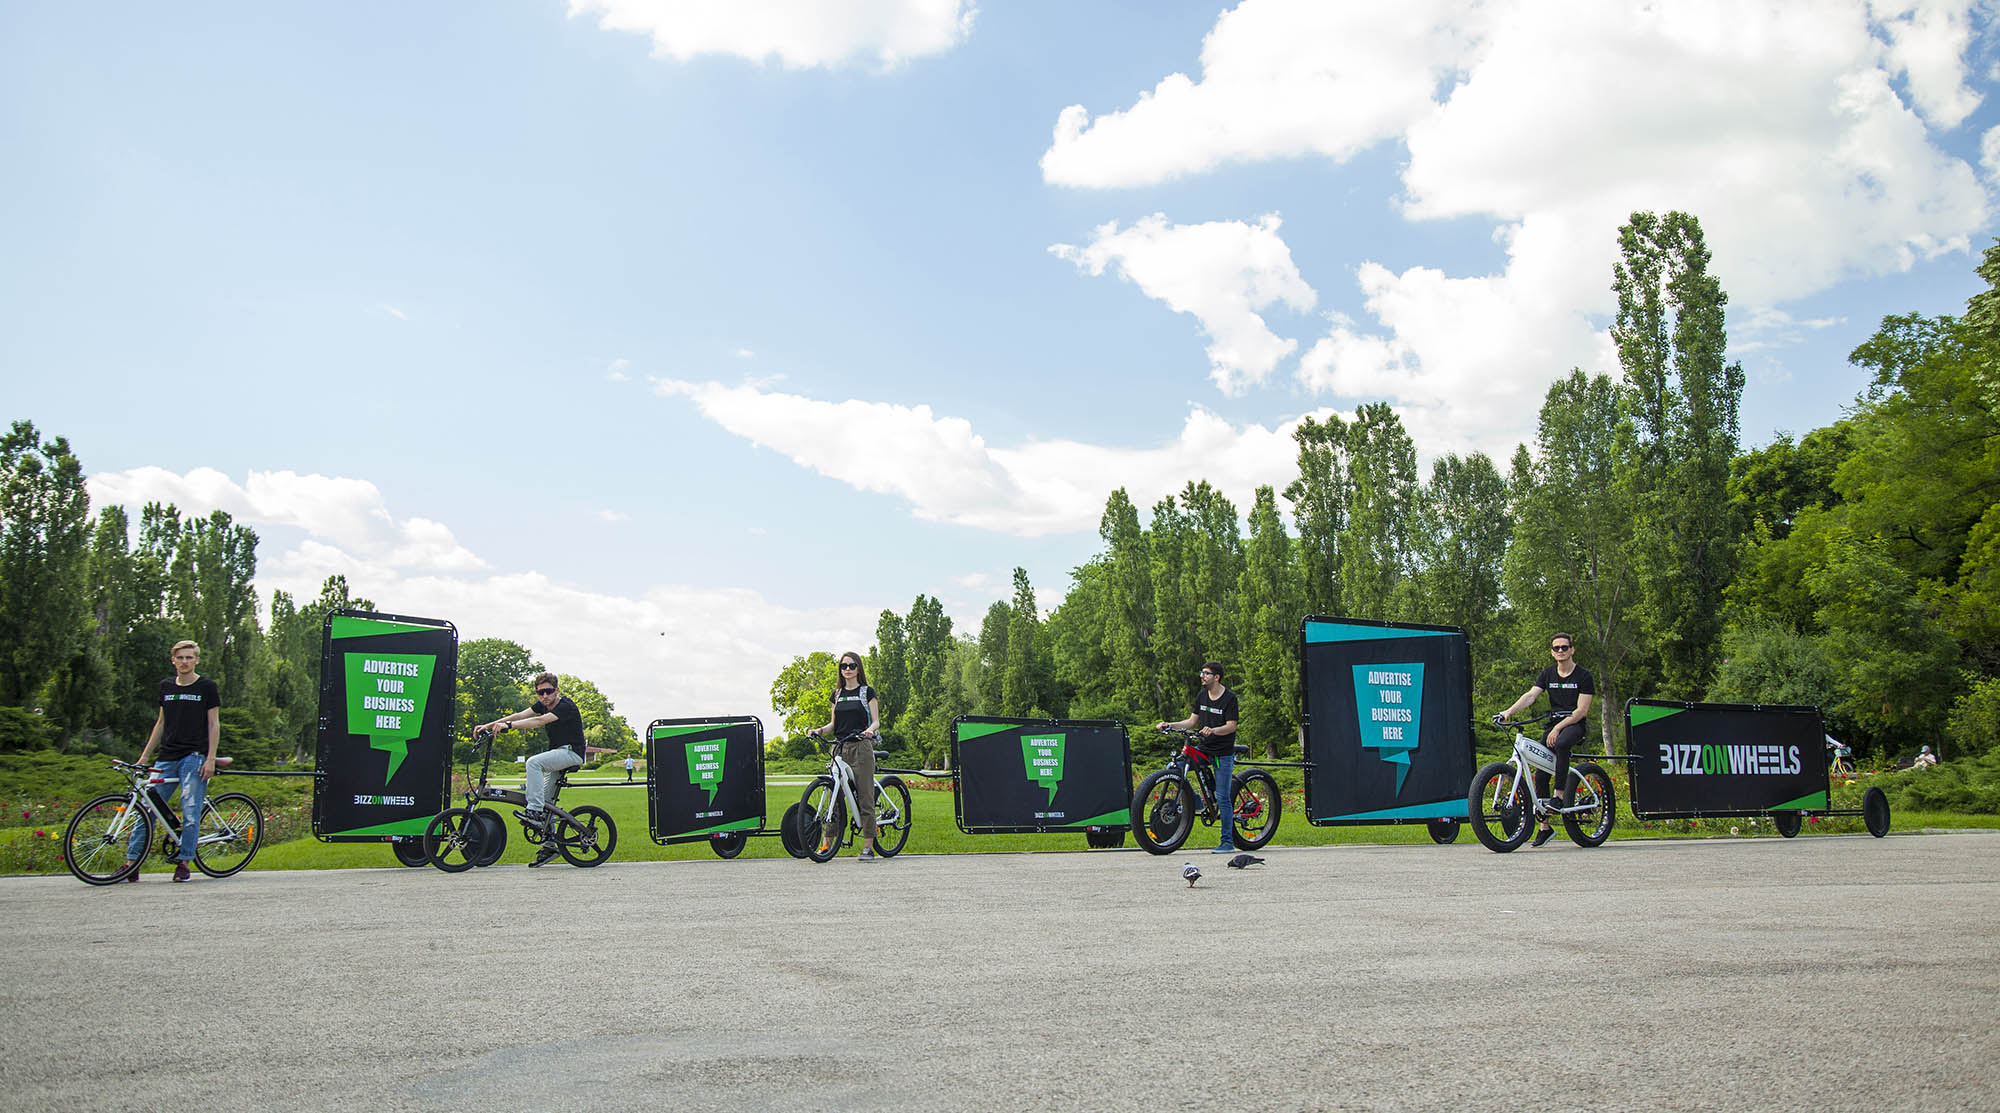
(1222, 273)
(1804, 134)
(798, 34)
(947, 472)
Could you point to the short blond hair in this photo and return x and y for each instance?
(184, 644)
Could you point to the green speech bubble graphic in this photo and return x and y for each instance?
(1043, 756)
(704, 760)
(386, 693)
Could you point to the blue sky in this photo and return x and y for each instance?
(676, 339)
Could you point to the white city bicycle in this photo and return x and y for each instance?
(1503, 805)
(828, 805)
(95, 845)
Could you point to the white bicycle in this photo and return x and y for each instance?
(100, 835)
(1503, 805)
(828, 804)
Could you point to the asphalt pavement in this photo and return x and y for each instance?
(1820, 973)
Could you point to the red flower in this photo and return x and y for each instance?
(41, 834)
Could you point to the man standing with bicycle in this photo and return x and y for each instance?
(566, 751)
(1570, 689)
(1214, 719)
(187, 730)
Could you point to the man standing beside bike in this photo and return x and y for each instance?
(1570, 688)
(187, 730)
(856, 713)
(1215, 717)
(566, 751)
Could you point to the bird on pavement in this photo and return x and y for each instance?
(1192, 872)
(1244, 861)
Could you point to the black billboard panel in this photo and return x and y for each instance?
(1388, 709)
(1041, 774)
(704, 777)
(1692, 759)
(388, 689)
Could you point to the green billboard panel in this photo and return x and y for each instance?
(387, 687)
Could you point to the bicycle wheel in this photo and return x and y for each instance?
(788, 831)
(1444, 832)
(1787, 823)
(409, 851)
(1590, 784)
(1499, 808)
(588, 839)
(1258, 807)
(727, 844)
(892, 816)
(452, 840)
(1162, 812)
(94, 844)
(489, 836)
(821, 838)
(232, 828)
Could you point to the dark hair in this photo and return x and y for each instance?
(1565, 637)
(860, 671)
(1214, 667)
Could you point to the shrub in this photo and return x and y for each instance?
(1974, 726)
(22, 729)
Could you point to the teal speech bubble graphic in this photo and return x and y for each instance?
(1390, 701)
(1043, 756)
(386, 694)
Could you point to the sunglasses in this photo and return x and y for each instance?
(1559, 649)
(846, 665)
(545, 691)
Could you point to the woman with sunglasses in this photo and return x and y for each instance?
(855, 708)
(1570, 689)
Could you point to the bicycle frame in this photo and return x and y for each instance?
(1197, 770)
(167, 821)
(842, 773)
(483, 793)
(1531, 756)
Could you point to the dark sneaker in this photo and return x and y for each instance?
(544, 856)
(133, 876)
(537, 820)
(1543, 835)
(1225, 848)
(867, 854)
(180, 871)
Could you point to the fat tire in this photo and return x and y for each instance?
(1875, 811)
(788, 831)
(233, 814)
(409, 851)
(727, 844)
(811, 829)
(588, 838)
(1488, 822)
(90, 851)
(892, 827)
(1260, 827)
(1444, 832)
(1593, 827)
(1162, 812)
(1787, 823)
(1111, 838)
(490, 835)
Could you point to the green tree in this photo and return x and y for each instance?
(934, 697)
(802, 694)
(493, 676)
(1459, 544)
(1319, 499)
(1272, 599)
(889, 668)
(44, 543)
(993, 631)
(1027, 685)
(210, 596)
(1569, 567)
(603, 727)
(1375, 544)
(1682, 401)
(1126, 618)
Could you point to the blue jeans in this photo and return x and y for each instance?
(542, 770)
(1225, 776)
(183, 773)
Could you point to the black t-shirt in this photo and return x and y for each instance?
(184, 724)
(1563, 690)
(567, 729)
(1214, 713)
(850, 709)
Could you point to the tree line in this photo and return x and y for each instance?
(1856, 568)
(89, 608)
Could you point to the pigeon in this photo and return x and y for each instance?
(1192, 872)
(1243, 861)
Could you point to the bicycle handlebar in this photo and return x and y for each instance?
(1515, 724)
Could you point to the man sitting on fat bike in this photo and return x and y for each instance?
(1215, 715)
(1570, 688)
(559, 714)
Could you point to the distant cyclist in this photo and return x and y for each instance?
(1214, 719)
(1570, 689)
(856, 711)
